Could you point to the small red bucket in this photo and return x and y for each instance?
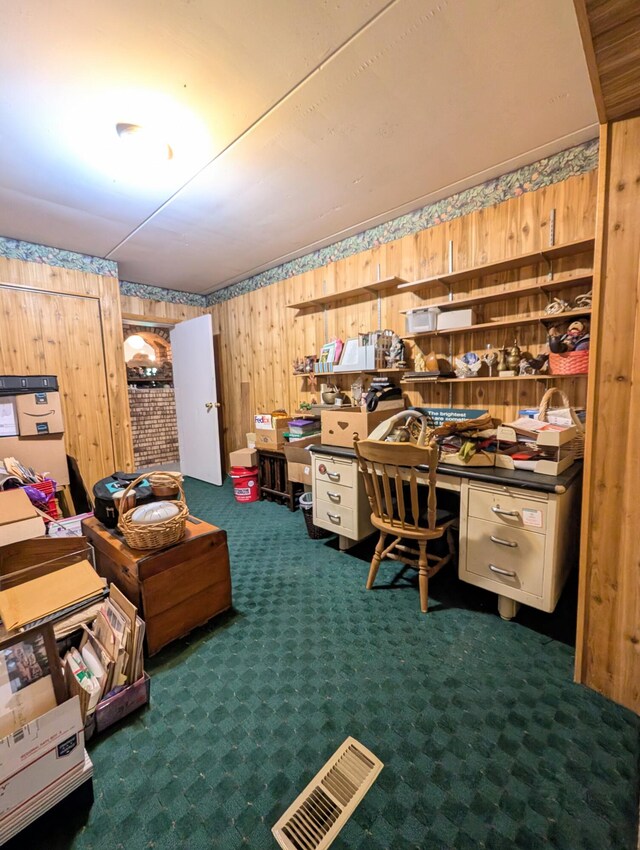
(245, 483)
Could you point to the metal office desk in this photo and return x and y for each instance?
(519, 531)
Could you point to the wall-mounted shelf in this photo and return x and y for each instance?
(505, 323)
(561, 282)
(335, 297)
(497, 379)
(348, 372)
(547, 255)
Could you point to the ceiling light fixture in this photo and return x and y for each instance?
(143, 142)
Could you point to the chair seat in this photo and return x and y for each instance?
(443, 519)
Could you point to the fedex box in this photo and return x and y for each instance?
(39, 754)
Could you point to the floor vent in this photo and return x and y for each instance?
(317, 815)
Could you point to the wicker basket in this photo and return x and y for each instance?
(577, 444)
(154, 535)
(569, 363)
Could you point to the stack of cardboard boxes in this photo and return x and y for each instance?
(32, 425)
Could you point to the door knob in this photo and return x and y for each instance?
(210, 404)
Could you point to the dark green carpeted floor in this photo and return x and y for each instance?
(486, 741)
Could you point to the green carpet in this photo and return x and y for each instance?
(485, 740)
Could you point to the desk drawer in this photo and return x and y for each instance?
(509, 557)
(335, 494)
(334, 517)
(513, 510)
(335, 470)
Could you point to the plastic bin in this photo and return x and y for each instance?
(314, 531)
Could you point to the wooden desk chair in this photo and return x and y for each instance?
(391, 482)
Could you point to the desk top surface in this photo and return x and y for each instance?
(517, 478)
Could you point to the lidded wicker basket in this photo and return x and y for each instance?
(155, 535)
(577, 444)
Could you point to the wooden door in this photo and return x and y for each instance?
(56, 334)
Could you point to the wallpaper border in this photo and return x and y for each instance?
(31, 252)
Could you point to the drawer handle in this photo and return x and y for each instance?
(498, 510)
(334, 476)
(334, 496)
(502, 542)
(334, 517)
(500, 571)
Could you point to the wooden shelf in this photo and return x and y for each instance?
(505, 323)
(348, 372)
(546, 255)
(335, 297)
(545, 286)
(487, 379)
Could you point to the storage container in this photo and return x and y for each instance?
(421, 320)
(450, 319)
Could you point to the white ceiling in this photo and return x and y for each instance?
(293, 124)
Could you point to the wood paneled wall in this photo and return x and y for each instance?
(68, 323)
(145, 309)
(260, 336)
(608, 643)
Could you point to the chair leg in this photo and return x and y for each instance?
(423, 576)
(375, 561)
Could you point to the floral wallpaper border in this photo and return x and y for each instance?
(157, 293)
(552, 169)
(16, 249)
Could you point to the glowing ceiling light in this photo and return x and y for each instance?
(144, 143)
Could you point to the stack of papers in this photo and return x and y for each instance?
(46, 597)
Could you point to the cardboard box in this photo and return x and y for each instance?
(18, 518)
(243, 457)
(39, 754)
(340, 426)
(300, 473)
(130, 698)
(39, 414)
(8, 417)
(299, 462)
(45, 454)
(266, 422)
(448, 319)
(272, 438)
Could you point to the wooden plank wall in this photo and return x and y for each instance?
(158, 311)
(68, 323)
(608, 641)
(260, 337)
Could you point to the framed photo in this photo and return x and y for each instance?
(31, 680)
(328, 352)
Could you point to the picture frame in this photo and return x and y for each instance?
(328, 352)
(31, 680)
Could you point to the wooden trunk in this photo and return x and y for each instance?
(175, 589)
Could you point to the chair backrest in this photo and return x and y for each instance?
(387, 469)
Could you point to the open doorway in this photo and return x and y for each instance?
(152, 403)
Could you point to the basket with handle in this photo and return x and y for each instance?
(154, 535)
(577, 444)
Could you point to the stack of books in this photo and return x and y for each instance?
(301, 429)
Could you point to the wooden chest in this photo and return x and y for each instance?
(175, 589)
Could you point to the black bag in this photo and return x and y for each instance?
(104, 508)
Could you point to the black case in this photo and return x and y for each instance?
(104, 508)
(20, 384)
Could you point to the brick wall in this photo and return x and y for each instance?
(154, 425)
